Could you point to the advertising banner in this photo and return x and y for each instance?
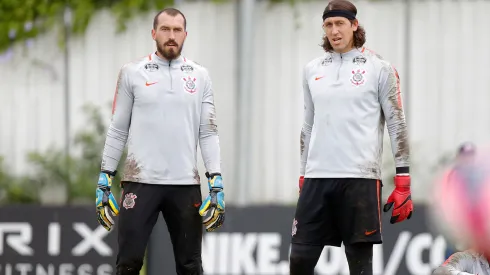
(54, 241)
(256, 240)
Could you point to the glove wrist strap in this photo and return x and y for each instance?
(218, 185)
(402, 183)
(209, 176)
(112, 174)
(107, 187)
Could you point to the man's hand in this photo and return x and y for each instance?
(301, 182)
(105, 202)
(213, 207)
(401, 198)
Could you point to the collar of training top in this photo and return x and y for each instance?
(350, 54)
(177, 62)
(342, 13)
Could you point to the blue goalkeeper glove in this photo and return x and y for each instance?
(213, 207)
(105, 202)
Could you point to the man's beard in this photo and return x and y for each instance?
(169, 53)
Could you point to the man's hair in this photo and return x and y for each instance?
(359, 34)
(170, 11)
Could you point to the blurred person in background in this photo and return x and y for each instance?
(464, 164)
(163, 108)
(468, 262)
(349, 92)
(462, 195)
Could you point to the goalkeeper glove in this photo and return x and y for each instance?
(105, 201)
(400, 199)
(213, 207)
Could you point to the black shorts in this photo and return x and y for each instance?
(332, 211)
(140, 206)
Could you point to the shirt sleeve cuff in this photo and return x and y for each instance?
(402, 170)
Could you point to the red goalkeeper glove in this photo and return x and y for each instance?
(400, 199)
(301, 182)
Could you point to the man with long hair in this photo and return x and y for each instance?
(163, 108)
(349, 94)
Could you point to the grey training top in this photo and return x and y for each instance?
(348, 97)
(163, 110)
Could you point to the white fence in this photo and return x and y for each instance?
(442, 60)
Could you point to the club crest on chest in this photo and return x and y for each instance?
(190, 84)
(358, 77)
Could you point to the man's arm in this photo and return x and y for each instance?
(459, 263)
(390, 99)
(309, 113)
(117, 134)
(213, 206)
(208, 130)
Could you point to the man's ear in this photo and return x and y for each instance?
(355, 24)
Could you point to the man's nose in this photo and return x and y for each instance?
(172, 35)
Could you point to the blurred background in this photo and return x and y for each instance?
(59, 62)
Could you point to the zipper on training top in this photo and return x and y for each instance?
(170, 74)
(338, 72)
